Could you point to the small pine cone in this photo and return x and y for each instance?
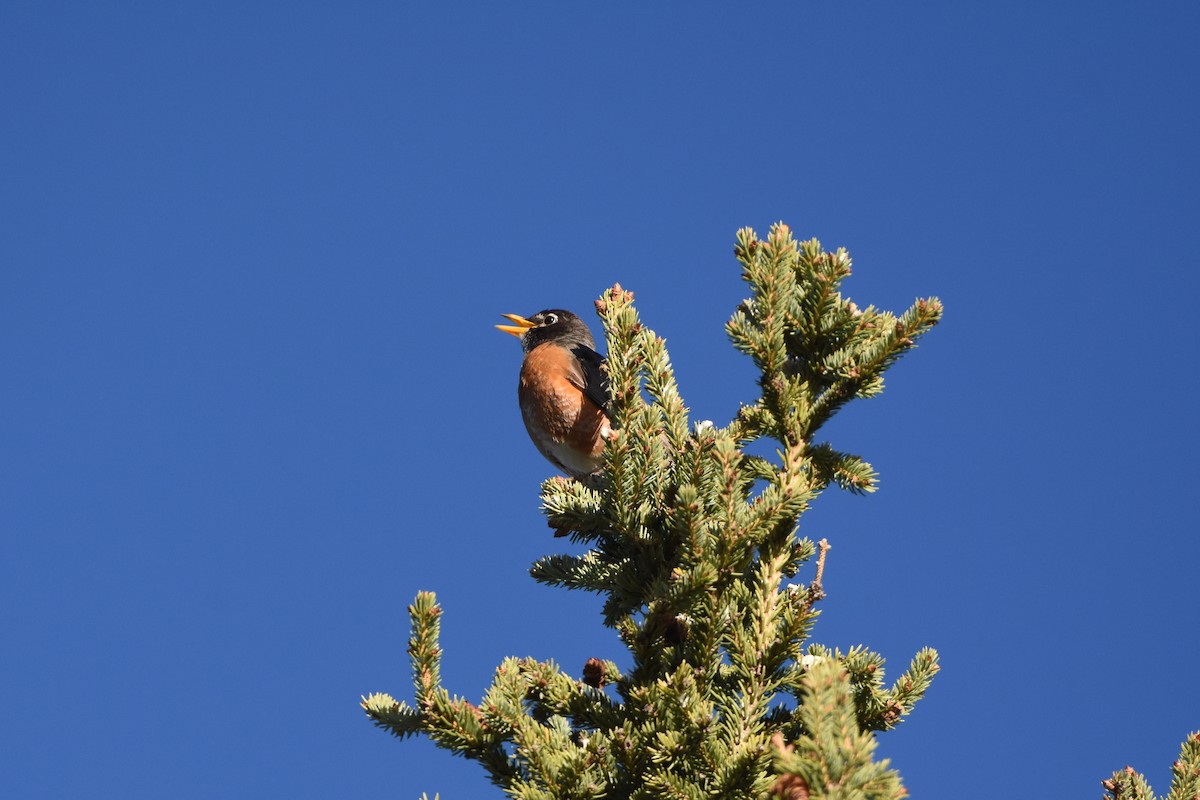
(790, 787)
(593, 673)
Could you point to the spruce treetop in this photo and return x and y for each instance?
(692, 544)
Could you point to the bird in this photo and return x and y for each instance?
(562, 391)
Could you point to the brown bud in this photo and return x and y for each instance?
(593, 673)
(561, 532)
(1110, 785)
(790, 787)
(601, 307)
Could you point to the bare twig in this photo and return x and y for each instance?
(816, 591)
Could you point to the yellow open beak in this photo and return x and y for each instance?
(518, 329)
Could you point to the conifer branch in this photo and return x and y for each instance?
(833, 758)
(395, 717)
(913, 683)
(1128, 784)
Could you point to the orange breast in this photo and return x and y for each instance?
(568, 428)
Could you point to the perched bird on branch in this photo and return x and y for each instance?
(562, 391)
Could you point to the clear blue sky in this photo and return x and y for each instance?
(252, 399)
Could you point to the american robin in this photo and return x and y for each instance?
(562, 391)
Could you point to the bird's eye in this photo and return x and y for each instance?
(550, 319)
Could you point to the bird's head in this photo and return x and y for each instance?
(552, 325)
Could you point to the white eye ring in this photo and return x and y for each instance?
(550, 319)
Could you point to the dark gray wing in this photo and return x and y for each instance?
(595, 381)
